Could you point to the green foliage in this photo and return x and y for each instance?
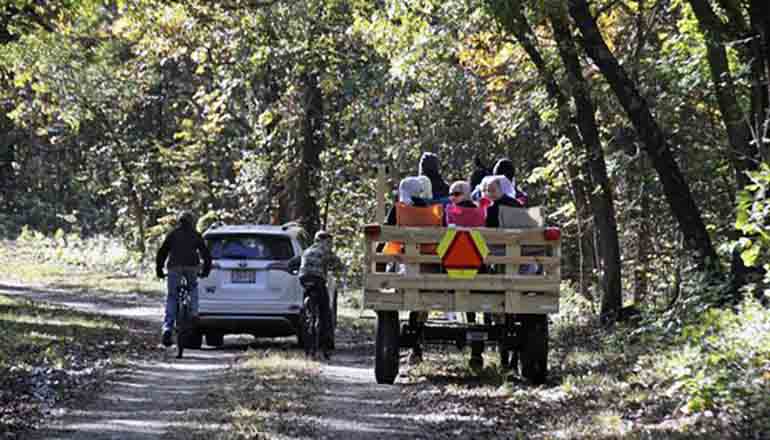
(752, 217)
(123, 113)
(98, 253)
(709, 359)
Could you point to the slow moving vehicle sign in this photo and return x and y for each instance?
(462, 252)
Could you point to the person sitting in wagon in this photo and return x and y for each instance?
(499, 190)
(414, 209)
(412, 191)
(462, 211)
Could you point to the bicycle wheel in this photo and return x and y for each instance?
(310, 333)
(183, 317)
(182, 327)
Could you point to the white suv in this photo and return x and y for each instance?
(251, 288)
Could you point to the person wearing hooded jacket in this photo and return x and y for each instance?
(183, 247)
(499, 190)
(317, 260)
(413, 191)
(429, 167)
(505, 168)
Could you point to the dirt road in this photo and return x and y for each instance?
(155, 397)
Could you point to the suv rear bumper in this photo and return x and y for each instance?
(256, 324)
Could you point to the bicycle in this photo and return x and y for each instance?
(311, 316)
(183, 323)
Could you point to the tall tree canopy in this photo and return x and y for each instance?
(640, 125)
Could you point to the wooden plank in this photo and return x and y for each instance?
(512, 250)
(426, 301)
(383, 300)
(512, 301)
(491, 259)
(381, 190)
(411, 251)
(535, 283)
(369, 261)
(533, 236)
(462, 301)
(484, 302)
(524, 302)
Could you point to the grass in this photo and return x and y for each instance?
(272, 393)
(268, 396)
(625, 382)
(23, 262)
(694, 372)
(50, 353)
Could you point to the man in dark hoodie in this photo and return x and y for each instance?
(183, 247)
(429, 167)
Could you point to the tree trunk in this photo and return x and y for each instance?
(759, 13)
(586, 256)
(602, 200)
(135, 203)
(7, 157)
(738, 131)
(312, 145)
(741, 152)
(643, 236)
(675, 186)
(514, 21)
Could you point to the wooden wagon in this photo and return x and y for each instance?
(518, 287)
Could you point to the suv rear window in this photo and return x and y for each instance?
(250, 247)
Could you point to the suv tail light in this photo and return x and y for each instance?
(552, 234)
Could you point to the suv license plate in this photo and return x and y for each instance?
(244, 276)
(476, 336)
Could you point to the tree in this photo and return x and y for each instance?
(583, 134)
(675, 186)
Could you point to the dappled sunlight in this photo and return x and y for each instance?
(49, 321)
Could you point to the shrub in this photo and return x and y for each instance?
(94, 253)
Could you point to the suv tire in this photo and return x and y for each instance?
(215, 339)
(192, 339)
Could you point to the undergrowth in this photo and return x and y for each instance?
(94, 253)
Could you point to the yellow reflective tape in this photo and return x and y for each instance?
(481, 244)
(465, 274)
(446, 241)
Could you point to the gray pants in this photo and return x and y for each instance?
(175, 274)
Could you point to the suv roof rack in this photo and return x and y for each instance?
(216, 224)
(290, 225)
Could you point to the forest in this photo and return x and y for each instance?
(642, 127)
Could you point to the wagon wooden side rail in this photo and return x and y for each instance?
(525, 279)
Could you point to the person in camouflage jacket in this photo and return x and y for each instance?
(317, 260)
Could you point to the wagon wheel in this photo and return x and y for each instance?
(534, 355)
(508, 353)
(387, 347)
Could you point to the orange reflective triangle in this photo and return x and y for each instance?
(462, 253)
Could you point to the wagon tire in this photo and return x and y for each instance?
(534, 353)
(386, 347)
